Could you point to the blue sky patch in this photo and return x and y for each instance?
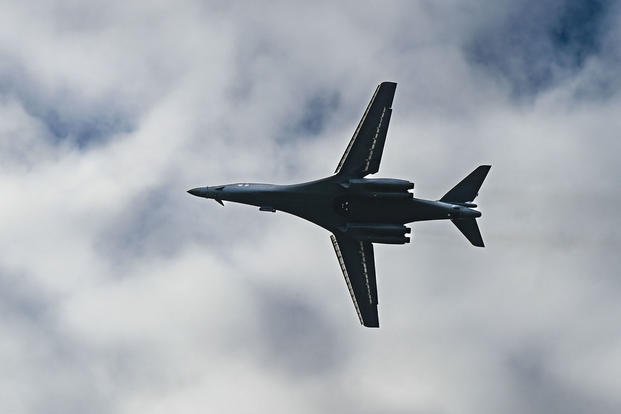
(537, 44)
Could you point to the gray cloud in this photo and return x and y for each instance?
(315, 113)
(299, 338)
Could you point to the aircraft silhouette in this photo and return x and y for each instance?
(360, 211)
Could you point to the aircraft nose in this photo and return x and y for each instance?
(475, 213)
(198, 191)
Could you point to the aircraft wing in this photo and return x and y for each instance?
(364, 152)
(358, 265)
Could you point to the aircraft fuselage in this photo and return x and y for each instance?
(335, 203)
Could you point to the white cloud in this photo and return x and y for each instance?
(121, 293)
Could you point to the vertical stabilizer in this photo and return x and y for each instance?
(462, 194)
(468, 188)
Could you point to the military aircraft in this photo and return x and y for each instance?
(361, 211)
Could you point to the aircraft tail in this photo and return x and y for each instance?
(470, 229)
(464, 193)
(468, 188)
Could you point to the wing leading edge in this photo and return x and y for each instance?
(364, 152)
(358, 265)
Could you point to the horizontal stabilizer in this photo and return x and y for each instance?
(470, 229)
(468, 188)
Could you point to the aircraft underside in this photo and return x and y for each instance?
(359, 211)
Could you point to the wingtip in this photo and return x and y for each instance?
(371, 321)
(388, 87)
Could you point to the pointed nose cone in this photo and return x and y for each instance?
(195, 191)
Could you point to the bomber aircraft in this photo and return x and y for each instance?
(360, 211)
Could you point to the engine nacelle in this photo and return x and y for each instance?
(385, 185)
(467, 204)
(383, 239)
(383, 229)
(378, 233)
(387, 196)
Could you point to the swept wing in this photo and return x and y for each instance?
(358, 265)
(364, 152)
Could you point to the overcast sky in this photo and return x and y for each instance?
(121, 293)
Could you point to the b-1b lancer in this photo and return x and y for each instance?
(361, 211)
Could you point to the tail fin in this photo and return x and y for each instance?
(463, 193)
(470, 229)
(468, 188)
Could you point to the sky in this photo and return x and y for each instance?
(121, 293)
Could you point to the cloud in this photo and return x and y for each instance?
(121, 293)
(535, 45)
